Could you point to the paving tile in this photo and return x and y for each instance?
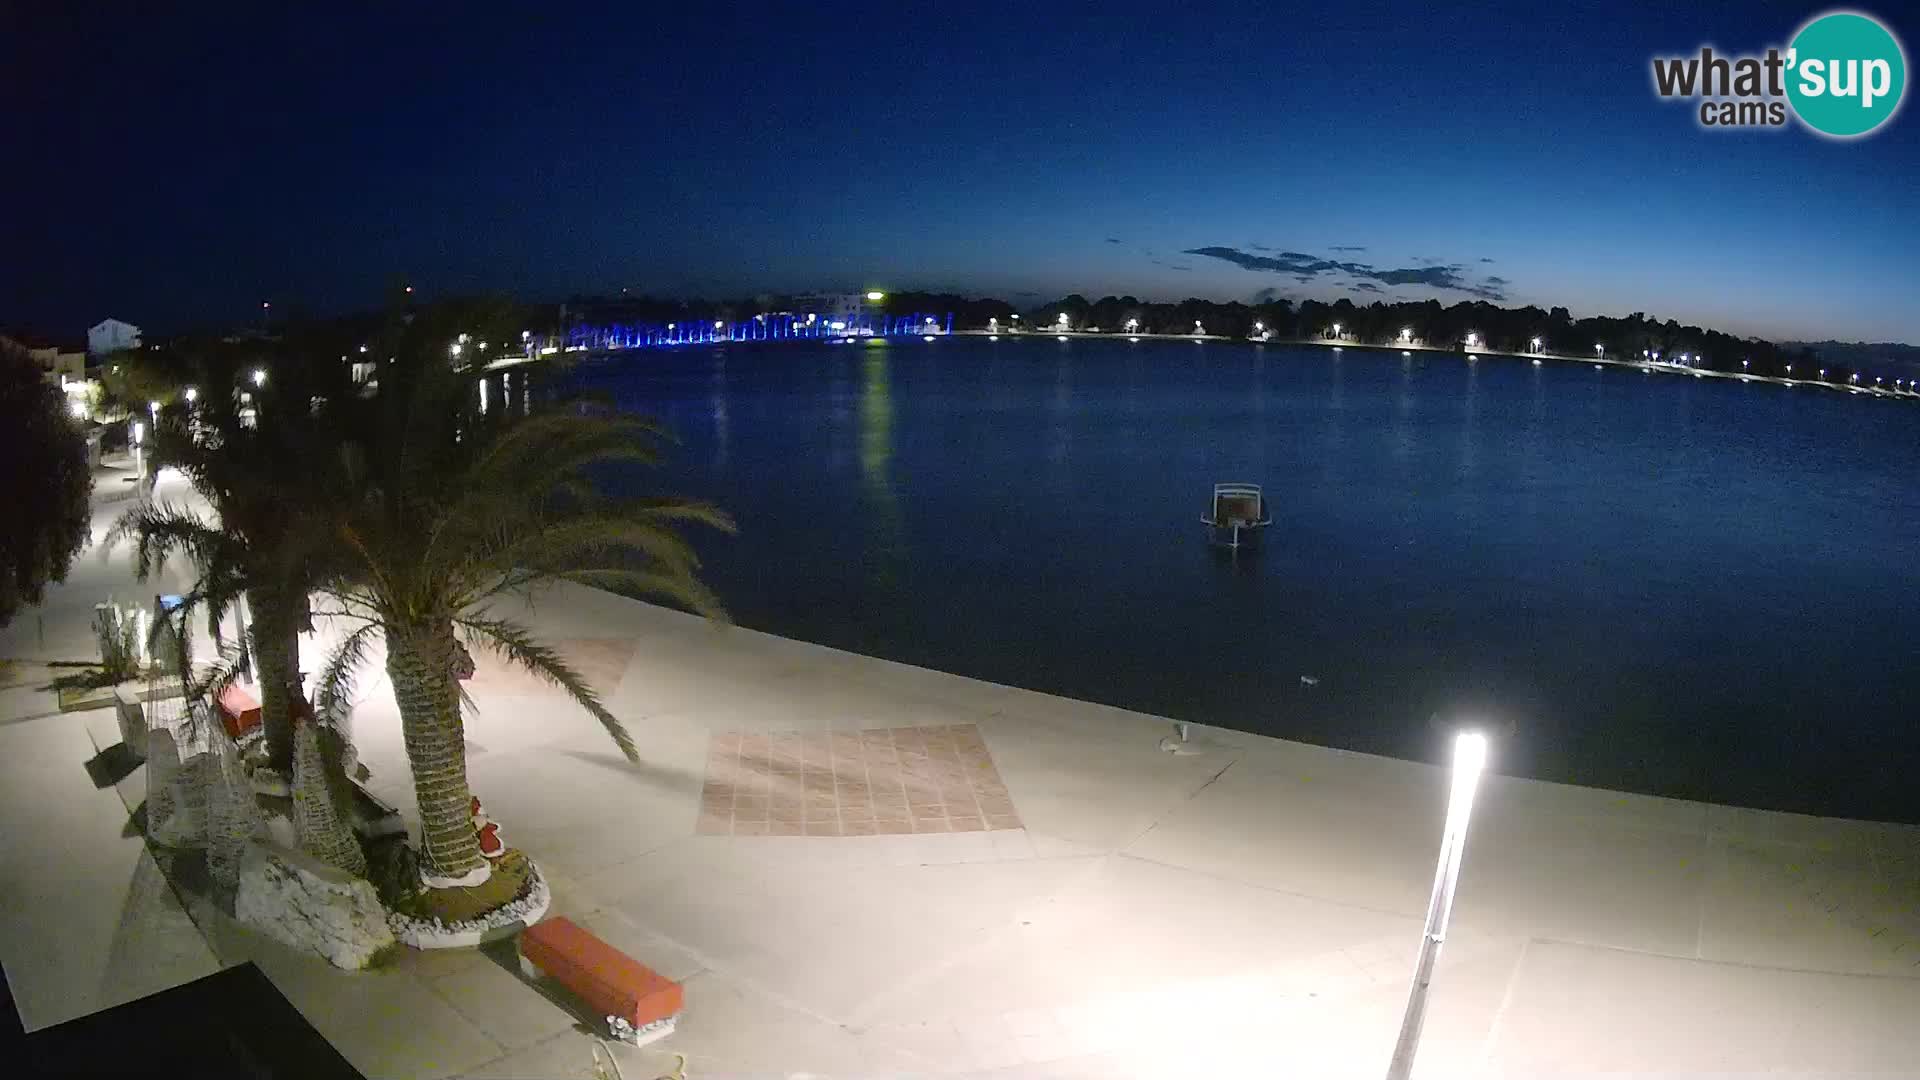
(853, 782)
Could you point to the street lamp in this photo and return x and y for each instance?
(876, 296)
(1473, 339)
(1062, 320)
(1132, 325)
(1406, 333)
(1599, 349)
(1336, 330)
(1469, 759)
(192, 395)
(1536, 344)
(260, 376)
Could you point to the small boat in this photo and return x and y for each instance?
(1239, 513)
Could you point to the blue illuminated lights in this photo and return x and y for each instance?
(781, 326)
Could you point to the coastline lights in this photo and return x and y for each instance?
(1599, 349)
(1536, 344)
(1406, 333)
(1473, 340)
(1062, 320)
(1336, 329)
(876, 296)
(1469, 761)
(1132, 325)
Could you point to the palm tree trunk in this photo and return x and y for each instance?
(276, 648)
(419, 661)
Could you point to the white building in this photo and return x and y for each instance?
(837, 306)
(61, 366)
(112, 335)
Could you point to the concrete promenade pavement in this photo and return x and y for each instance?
(1251, 910)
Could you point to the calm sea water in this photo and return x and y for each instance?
(1689, 587)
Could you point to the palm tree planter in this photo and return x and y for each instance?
(447, 510)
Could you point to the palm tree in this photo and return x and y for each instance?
(447, 509)
(253, 461)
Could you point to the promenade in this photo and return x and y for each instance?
(1086, 905)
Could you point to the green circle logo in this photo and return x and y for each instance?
(1846, 74)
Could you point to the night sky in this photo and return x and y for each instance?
(177, 169)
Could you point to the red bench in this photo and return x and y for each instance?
(639, 1004)
(239, 711)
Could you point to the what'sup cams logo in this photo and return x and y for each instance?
(1842, 76)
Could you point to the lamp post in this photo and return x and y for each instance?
(1469, 758)
(1535, 343)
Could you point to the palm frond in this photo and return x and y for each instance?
(683, 589)
(339, 677)
(514, 643)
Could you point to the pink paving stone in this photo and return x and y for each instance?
(935, 778)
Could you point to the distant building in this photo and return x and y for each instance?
(61, 366)
(112, 335)
(835, 306)
(58, 366)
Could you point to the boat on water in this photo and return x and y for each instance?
(1238, 515)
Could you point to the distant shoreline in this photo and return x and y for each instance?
(1321, 343)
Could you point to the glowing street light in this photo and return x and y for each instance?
(876, 296)
(453, 349)
(1132, 325)
(1406, 333)
(153, 410)
(1469, 759)
(1062, 320)
(1336, 329)
(1536, 344)
(260, 374)
(1259, 326)
(1473, 340)
(1599, 349)
(192, 395)
(77, 409)
(717, 324)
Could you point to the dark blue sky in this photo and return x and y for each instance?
(175, 168)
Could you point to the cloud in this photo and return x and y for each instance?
(1115, 240)
(1353, 247)
(1304, 268)
(1498, 282)
(1368, 286)
(1259, 247)
(1483, 258)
